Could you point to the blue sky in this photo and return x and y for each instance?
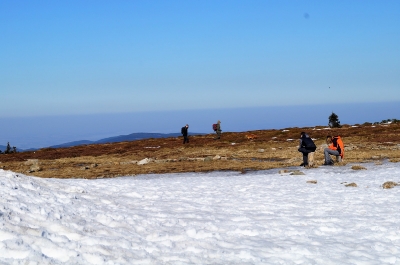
(77, 58)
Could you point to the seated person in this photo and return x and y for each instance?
(335, 147)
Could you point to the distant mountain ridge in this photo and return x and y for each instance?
(121, 138)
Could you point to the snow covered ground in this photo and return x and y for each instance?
(203, 218)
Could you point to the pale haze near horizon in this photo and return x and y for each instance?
(94, 63)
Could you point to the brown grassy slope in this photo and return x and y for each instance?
(271, 149)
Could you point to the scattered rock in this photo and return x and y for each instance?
(283, 171)
(312, 181)
(217, 157)
(389, 184)
(351, 185)
(208, 158)
(35, 168)
(297, 173)
(261, 150)
(311, 160)
(350, 147)
(128, 162)
(143, 161)
(31, 162)
(358, 167)
(94, 165)
(85, 168)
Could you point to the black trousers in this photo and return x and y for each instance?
(305, 154)
(185, 139)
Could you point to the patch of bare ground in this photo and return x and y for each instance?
(358, 167)
(389, 184)
(233, 152)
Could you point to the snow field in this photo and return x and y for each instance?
(203, 218)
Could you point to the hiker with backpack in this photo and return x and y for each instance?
(184, 132)
(217, 129)
(335, 147)
(307, 146)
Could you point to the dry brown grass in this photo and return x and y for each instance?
(358, 167)
(271, 149)
(389, 184)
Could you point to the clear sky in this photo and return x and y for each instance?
(101, 57)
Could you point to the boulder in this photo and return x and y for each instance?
(143, 161)
(35, 168)
(217, 157)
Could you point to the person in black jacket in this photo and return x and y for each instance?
(184, 132)
(306, 146)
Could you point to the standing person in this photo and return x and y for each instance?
(335, 147)
(217, 129)
(184, 132)
(306, 146)
(8, 149)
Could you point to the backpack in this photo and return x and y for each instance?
(214, 126)
(308, 144)
(182, 129)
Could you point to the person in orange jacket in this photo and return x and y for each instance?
(335, 147)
